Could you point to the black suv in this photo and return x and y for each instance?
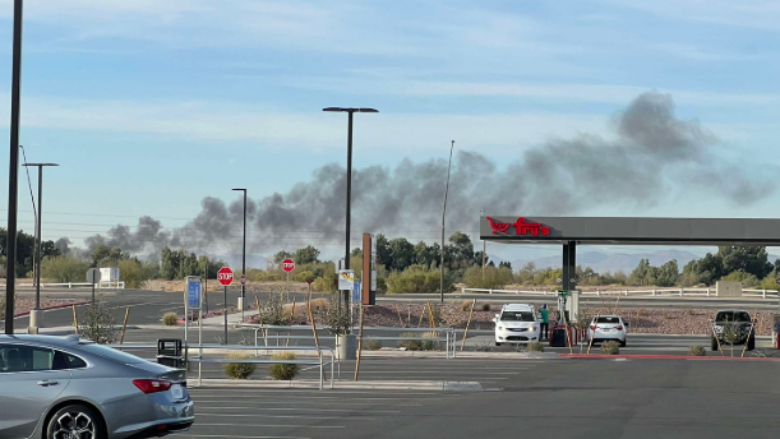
(738, 319)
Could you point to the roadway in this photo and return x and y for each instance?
(147, 307)
(578, 398)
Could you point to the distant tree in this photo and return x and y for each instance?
(169, 264)
(505, 264)
(746, 259)
(281, 255)
(402, 254)
(383, 255)
(306, 255)
(643, 274)
(64, 268)
(668, 274)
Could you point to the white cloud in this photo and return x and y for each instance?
(755, 14)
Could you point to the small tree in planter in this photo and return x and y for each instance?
(239, 371)
(731, 334)
(97, 323)
(340, 324)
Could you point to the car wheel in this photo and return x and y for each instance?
(623, 343)
(714, 344)
(75, 422)
(751, 344)
(498, 344)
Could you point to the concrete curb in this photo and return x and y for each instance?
(51, 308)
(433, 386)
(665, 357)
(439, 354)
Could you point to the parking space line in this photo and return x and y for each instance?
(288, 409)
(232, 436)
(313, 427)
(257, 415)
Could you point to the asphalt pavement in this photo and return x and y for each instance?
(575, 398)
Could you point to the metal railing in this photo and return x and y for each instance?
(201, 360)
(450, 335)
(657, 292)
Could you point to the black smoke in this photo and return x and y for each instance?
(651, 154)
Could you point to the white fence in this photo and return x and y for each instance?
(658, 292)
(106, 285)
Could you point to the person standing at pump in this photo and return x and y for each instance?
(545, 326)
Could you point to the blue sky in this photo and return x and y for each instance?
(150, 106)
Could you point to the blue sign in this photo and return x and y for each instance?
(193, 293)
(356, 292)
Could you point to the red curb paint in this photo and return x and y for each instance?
(666, 357)
(52, 308)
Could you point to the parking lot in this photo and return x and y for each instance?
(562, 398)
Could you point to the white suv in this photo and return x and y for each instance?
(517, 323)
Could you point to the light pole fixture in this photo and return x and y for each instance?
(350, 112)
(243, 257)
(36, 318)
(443, 215)
(13, 174)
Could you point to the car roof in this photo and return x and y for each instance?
(518, 307)
(608, 316)
(49, 340)
(732, 310)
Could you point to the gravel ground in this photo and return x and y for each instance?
(641, 320)
(23, 306)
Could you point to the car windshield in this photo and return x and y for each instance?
(733, 316)
(611, 319)
(112, 354)
(518, 316)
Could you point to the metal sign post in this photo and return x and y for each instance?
(225, 277)
(192, 302)
(93, 277)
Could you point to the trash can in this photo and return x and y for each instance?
(169, 353)
(558, 337)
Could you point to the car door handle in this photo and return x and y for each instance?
(47, 383)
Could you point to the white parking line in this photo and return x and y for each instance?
(232, 436)
(361, 403)
(255, 415)
(313, 427)
(290, 409)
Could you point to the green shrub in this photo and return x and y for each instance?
(416, 279)
(170, 319)
(492, 277)
(610, 348)
(64, 269)
(697, 351)
(535, 346)
(411, 345)
(486, 306)
(284, 371)
(372, 345)
(484, 346)
(239, 371)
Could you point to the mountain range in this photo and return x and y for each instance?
(602, 262)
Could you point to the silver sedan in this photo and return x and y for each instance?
(66, 388)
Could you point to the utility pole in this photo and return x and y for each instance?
(443, 216)
(243, 260)
(13, 173)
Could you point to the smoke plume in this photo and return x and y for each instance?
(651, 153)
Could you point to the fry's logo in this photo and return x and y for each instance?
(522, 227)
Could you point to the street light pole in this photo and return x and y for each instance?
(350, 112)
(243, 258)
(36, 317)
(13, 174)
(443, 216)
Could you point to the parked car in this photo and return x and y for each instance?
(517, 323)
(66, 388)
(741, 323)
(608, 328)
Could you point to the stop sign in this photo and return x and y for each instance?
(288, 265)
(225, 276)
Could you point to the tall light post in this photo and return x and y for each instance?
(350, 112)
(36, 316)
(13, 174)
(443, 215)
(243, 257)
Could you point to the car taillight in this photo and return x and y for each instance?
(619, 328)
(152, 386)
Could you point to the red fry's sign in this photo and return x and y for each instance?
(522, 227)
